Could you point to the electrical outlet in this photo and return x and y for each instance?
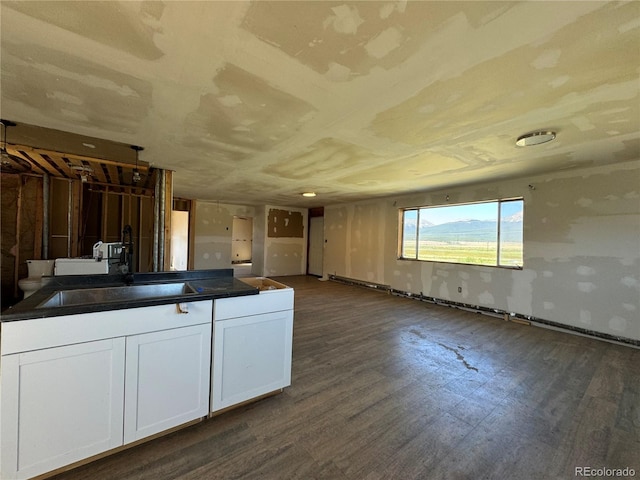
(459, 289)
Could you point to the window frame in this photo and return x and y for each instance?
(417, 209)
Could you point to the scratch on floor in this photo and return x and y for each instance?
(418, 333)
(460, 357)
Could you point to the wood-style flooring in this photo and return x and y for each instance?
(386, 387)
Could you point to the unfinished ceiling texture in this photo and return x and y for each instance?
(257, 102)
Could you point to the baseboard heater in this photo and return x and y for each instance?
(493, 312)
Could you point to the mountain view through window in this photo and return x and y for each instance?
(487, 233)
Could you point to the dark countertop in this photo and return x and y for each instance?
(209, 285)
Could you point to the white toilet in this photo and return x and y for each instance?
(37, 269)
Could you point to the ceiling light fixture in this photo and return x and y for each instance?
(82, 168)
(10, 163)
(5, 155)
(84, 171)
(309, 194)
(136, 172)
(535, 138)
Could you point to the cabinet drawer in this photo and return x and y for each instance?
(264, 302)
(26, 335)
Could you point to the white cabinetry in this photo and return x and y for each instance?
(167, 380)
(252, 346)
(75, 386)
(60, 405)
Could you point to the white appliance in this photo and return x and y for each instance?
(80, 266)
(111, 253)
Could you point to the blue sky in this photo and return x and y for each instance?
(475, 211)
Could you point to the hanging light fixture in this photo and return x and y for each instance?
(136, 173)
(5, 155)
(11, 163)
(84, 171)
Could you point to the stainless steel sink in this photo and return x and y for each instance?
(88, 296)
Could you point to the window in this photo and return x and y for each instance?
(487, 233)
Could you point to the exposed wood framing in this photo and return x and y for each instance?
(39, 220)
(192, 229)
(41, 163)
(25, 159)
(75, 218)
(168, 204)
(16, 247)
(13, 149)
(105, 210)
(138, 247)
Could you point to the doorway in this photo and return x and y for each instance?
(179, 240)
(316, 245)
(241, 240)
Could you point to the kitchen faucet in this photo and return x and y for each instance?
(126, 257)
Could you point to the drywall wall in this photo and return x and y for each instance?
(271, 256)
(581, 249)
(284, 255)
(259, 236)
(213, 228)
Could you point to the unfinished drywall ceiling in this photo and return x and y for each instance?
(257, 102)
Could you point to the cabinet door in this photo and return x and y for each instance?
(167, 380)
(60, 405)
(252, 357)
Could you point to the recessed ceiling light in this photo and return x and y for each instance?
(309, 194)
(535, 138)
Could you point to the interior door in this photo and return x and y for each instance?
(316, 245)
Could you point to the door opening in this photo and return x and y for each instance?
(241, 244)
(316, 246)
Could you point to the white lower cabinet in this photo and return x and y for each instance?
(65, 403)
(252, 357)
(167, 380)
(60, 405)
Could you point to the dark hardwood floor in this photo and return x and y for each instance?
(391, 388)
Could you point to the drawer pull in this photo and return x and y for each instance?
(182, 308)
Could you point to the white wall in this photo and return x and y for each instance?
(581, 249)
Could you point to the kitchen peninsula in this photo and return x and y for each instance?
(90, 364)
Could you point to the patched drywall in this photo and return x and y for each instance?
(285, 254)
(581, 249)
(284, 224)
(254, 102)
(237, 117)
(120, 28)
(213, 228)
(358, 229)
(66, 84)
